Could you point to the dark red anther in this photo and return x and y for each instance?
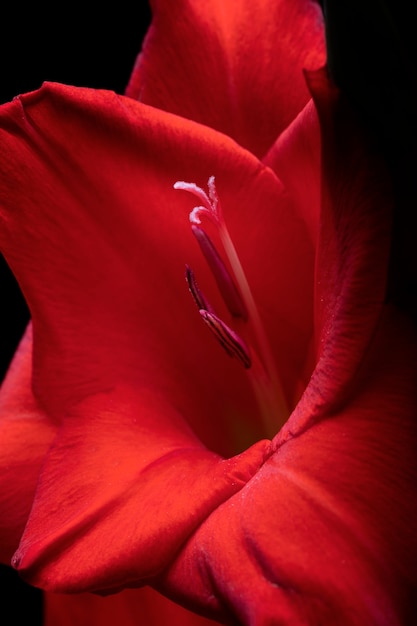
(225, 282)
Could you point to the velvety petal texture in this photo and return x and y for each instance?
(296, 159)
(126, 298)
(123, 161)
(324, 532)
(135, 441)
(122, 361)
(233, 66)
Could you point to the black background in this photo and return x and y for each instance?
(65, 44)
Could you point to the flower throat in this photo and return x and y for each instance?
(246, 341)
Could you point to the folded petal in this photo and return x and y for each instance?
(353, 250)
(234, 67)
(121, 489)
(25, 436)
(296, 159)
(98, 240)
(324, 531)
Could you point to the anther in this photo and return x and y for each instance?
(210, 207)
(235, 290)
(229, 340)
(198, 296)
(225, 282)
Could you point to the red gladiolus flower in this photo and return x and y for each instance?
(257, 468)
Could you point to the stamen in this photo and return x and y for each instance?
(235, 290)
(199, 298)
(230, 341)
(225, 282)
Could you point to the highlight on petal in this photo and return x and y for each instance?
(232, 66)
(122, 487)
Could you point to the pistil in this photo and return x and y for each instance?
(257, 359)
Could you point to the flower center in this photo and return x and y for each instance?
(250, 346)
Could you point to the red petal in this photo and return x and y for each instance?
(236, 68)
(128, 608)
(122, 487)
(353, 252)
(295, 158)
(25, 435)
(99, 240)
(325, 531)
